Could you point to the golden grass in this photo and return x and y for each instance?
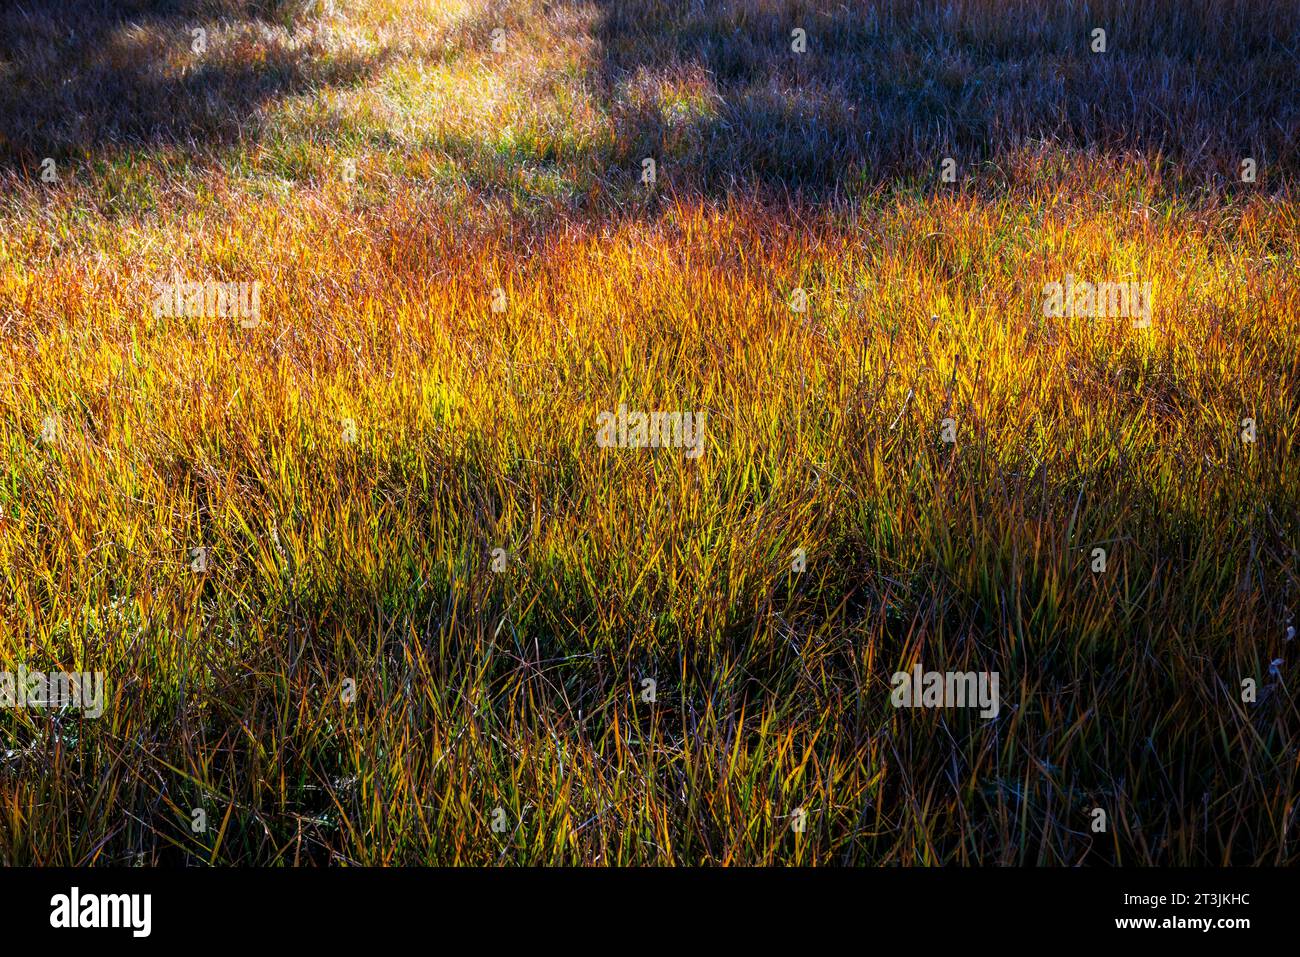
(522, 690)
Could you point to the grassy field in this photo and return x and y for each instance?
(364, 585)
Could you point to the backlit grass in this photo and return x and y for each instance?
(371, 560)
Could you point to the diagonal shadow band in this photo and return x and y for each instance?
(810, 97)
(84, 79)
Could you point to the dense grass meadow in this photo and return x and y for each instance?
(363, 584)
